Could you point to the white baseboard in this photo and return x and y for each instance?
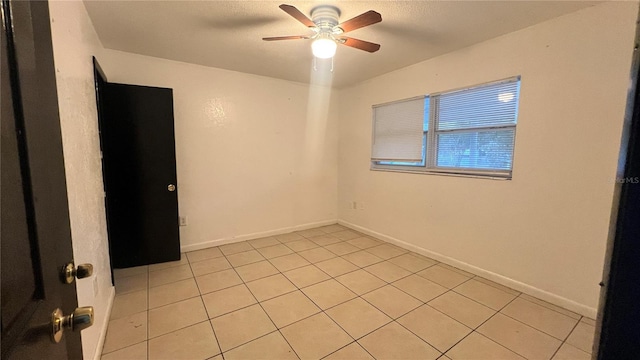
(233, 239)
(105, 324)
(503, 280)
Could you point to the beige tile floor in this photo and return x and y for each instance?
(329, 293)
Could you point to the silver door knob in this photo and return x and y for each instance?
(71, 272)
(171, 187)
(80, 319)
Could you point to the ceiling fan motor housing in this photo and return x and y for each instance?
(326, 18)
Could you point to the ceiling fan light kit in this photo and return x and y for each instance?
(323, 47)
(328, 32)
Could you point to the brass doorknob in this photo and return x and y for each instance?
(80, 319)
(171, 187)
(71, 272)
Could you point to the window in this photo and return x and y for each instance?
(400, 132)
(470, 131)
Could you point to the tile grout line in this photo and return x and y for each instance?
(358, 267)
(482, 323)
(539, 330)
(205, 308)
(496, 312)
(551, 309)
(522, 322)
(265, 312)
(193, 297)
(322, 311)
(463, 295)
(146, 311)
(567, 337)
(423, 303)
(212, 329)
(334, 278)
(299, 289)
(122, 348)
(443, 313)
(308, 298)
(170, 282)
(473, 276)
(360, 296)
(201, 299)
(264, 258)
(180, 328)
(365, 300)
(349, 344)
(396, 321)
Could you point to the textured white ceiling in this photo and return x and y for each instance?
(228, 34)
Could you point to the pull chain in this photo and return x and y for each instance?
(315, 64)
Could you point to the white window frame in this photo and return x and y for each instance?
(428, 165)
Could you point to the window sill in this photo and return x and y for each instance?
(469, 174)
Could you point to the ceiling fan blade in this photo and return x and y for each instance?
(369, 18)
(360, 44)
(294, 37)
(298, 15)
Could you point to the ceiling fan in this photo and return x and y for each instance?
(328, 33)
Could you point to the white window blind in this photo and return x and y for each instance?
(398, 131)
(486, 106)
(475, 128)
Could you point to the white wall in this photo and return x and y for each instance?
(255, 155)
(545, 231)
(74, 42)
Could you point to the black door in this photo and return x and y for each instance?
(139, 163)
(35, 231)
(619, 316)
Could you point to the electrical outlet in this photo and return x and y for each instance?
(96, 288)
(183, 220)
(360, 205)
(354, 205)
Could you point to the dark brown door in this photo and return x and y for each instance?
(139, 163)
(35, 231)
